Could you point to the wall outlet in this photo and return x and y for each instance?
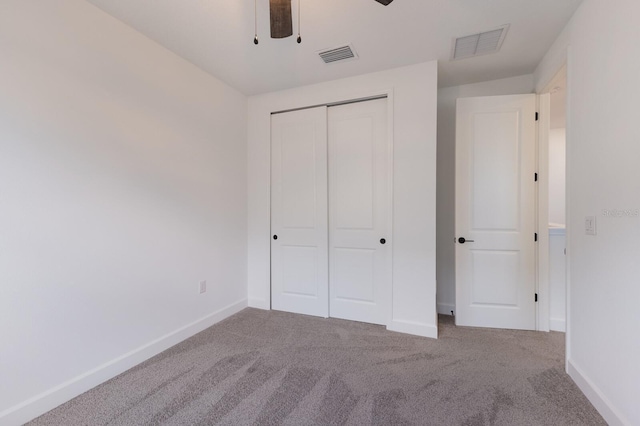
(590, 225)
(203, 286)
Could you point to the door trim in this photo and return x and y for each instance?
(542, 213)
(357, 97)
(544, 313)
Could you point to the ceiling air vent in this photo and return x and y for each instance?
(338, 54)
(478, 44)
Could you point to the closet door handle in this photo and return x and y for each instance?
(275, 237)
(382, 241)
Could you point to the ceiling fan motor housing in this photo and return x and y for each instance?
(281, 22)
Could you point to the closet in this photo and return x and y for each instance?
(331, 211)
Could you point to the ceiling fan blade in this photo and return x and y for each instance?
(281, 24)
(384, 2)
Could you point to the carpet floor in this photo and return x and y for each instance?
(274, 368)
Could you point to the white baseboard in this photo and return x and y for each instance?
(418, 329)
(597, 398)
(260, 304)
(445, 308)
(557, 324)
(48, 400)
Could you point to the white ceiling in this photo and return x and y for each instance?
(217, 36)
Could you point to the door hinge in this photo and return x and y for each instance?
(537, 116)
(536, 299)
(535, 237)
(535, 177)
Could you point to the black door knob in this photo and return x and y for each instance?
(461, 240)
(275, 237)
(382, 241)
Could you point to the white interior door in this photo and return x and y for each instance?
(299, 243)
(359, 240)
(495, 212)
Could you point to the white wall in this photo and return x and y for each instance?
(603, 149)
(446, 174)
(557, 173)
(122, 185)
(414, 184)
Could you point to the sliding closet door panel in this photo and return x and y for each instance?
(358, 205)
(299, 246)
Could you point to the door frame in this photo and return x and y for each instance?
(542, 213)
(562, 61)
(352, 98)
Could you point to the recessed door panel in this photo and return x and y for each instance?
(353, 278)
(494, 272)
(298, 162)
(354, 168)
(299, 271)
(496, 165)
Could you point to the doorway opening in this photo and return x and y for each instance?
(556, 200)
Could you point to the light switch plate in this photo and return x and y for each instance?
(590, 225)
(203, 286)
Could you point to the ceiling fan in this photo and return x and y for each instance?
(281, 21)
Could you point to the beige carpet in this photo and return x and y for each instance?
(272, 368)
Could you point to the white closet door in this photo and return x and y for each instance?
(359, 240)
(299, 252)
